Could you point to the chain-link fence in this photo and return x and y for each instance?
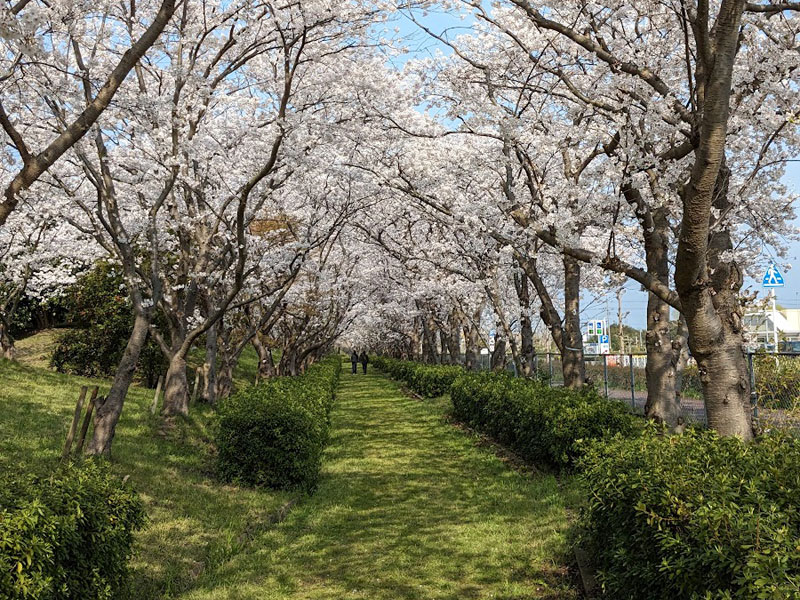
(774, 381)
(775, 384)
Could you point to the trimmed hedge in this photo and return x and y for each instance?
(429, 381)
(695, 516)
(66, 536)
(273, 433)
(537, 421)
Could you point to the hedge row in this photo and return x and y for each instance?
(273, 434)
(695, 516)
(429, 381)
(538, 422)
(66, 536)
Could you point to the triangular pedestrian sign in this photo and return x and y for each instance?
(772, 278)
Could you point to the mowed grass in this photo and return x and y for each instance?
(408, 507)
(195, 523)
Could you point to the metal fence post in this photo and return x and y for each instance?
(753, 393)
(633, 390)
(536, 365)
(550, 367)
(605, 374)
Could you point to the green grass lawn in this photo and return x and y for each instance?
(194, 522)
(408, 506)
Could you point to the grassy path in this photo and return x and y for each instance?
(408, 507)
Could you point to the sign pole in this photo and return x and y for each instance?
(774, 321)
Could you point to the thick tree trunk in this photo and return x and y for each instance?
(107, 415)
(7, 349)
(176, 387)
(572, 364)
(708, 286)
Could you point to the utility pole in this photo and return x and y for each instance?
(620, 293)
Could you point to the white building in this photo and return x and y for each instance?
(763, 327)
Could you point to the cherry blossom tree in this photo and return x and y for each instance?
(43, 112)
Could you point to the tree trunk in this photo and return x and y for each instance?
(444, 342)
(225, 379)
(471, 342)
(498, 359)
(266, 364)
(707, 284)
(710, 301)
(107, 415)
(6, 343)
(663, 403)
(429, 352)
(527, 350)
(176, 388)
(572, 364)
(210, 367)
(454, 339)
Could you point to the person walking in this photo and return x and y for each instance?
(364, 361)
(354, 361)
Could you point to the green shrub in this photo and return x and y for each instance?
(695, 516)
(99, 310)
(538, 422)
(777, 381)
(429, 381)
(273, 433)
(66, 536)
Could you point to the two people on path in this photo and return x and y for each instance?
(355, 359)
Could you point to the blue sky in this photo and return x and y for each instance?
(634, 300)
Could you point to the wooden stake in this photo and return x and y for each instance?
(86, 420)
(74, 426)
(154, 407)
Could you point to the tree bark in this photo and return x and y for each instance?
(7, 349)
(572, 364)
(527, 350)
(454, 339)
(498, 358)
(471, 342)
(107, 415)
(708, 287)
(266, 364)
(663, 401)
(176, 387)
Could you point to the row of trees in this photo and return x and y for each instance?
(262, 175)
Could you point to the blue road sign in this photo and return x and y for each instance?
(603, 339)
(772, 278)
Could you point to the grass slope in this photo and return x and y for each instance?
(194, 522)
(408, 507)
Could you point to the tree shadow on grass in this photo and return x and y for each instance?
(407, 507)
